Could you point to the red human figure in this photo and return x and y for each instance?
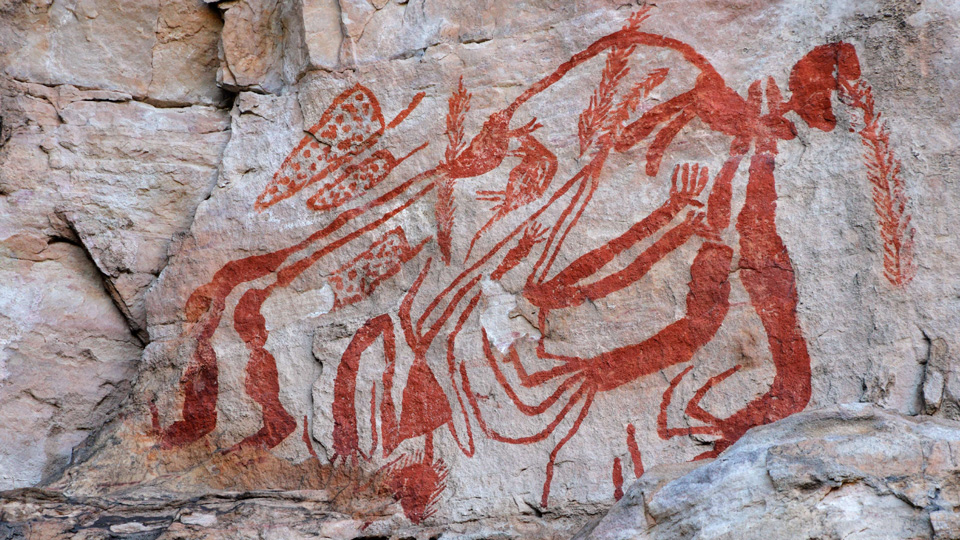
(767, 274)
(573, 382)
(765, 267)
(578, 380)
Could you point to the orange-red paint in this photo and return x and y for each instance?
(617, 479)
(350, 129)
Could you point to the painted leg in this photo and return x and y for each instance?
(768, 276)
(263, 381)
(346, 439)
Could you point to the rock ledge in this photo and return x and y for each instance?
(852, 472)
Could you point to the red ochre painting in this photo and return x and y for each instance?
(340, 168)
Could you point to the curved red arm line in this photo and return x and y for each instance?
(622, 38)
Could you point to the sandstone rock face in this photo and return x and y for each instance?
(67, 359)
(496, 258)
(96, 180)
(161, 50)
(852, 472)
(288, 515)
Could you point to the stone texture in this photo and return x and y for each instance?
(267, 45)
(852, 472)
(253, 515)
(185, 56)
(163, 50)
(109, 138)
(336, 513)
(87, 43)
(290, 330)
(75, 166)
(66, 356)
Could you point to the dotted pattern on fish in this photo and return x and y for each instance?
(355, 180)
(351, 124)
(384, 258)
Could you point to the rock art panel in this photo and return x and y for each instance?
(430, 386)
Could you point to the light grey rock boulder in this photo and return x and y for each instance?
(855, 472)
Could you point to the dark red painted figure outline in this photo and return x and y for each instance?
(765, 267)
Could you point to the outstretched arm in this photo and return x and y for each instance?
(564, 290)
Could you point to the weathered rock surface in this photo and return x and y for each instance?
(254, 515)
(854, 472)
(500, 256)
(75, 166)
(330, 504)
(103, 162)
(66, 357)
(160, 50)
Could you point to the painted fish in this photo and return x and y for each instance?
(350, 125)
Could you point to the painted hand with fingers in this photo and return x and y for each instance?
(687, 183)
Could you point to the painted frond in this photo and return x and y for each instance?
(594, 117)
(890, 199)
(444, 212)
(631, 101)
(637, 17)
(458, 106)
